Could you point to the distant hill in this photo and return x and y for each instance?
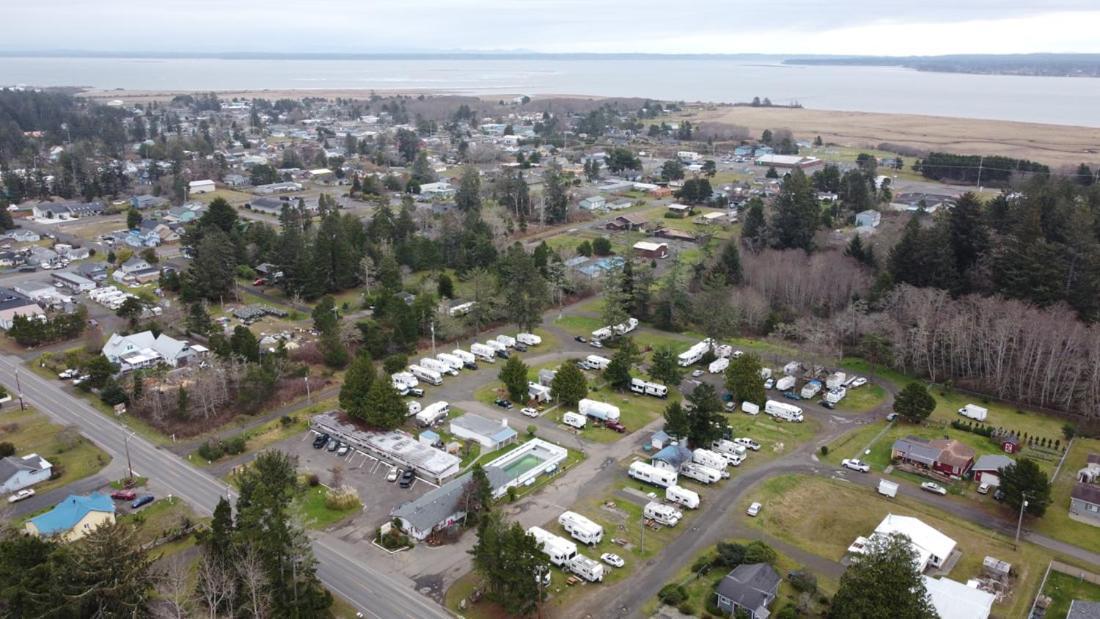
(1055, 65)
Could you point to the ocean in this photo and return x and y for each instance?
(1053, 100)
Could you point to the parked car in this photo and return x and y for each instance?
(520, 347)
(827, 404)
(933, 487)
(392, 475)
(859, 382)
(416, 392)
(890, 417)
(613, 424)
(790, 395)
(983, 488)
(856, 465)
(320, 441)
(145, 500)
(768, 384)
(754, 509)
(260, 282)
(25, 493)
(529, 412)
(407, 478)
(124, 495)
(334, 445)
(581, 339)
(747, 442)
(696, 373)
(998, 495)
(343, 450)
(595, 344)
(613, 560)
(503, 403)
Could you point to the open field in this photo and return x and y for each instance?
(1056, 522)
(1055, 145)
(823, 517)
(74, 456)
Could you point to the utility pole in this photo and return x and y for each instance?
(981, 160)
(433, 337)
(129, 466)
(19, 388)
(1020, 522)
(642, 541)
(309, 398)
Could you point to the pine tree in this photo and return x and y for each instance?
(743, 379)
(385, 409)
(754, 233)
(705, 420)
(357, 383)
(728, 265)
(569, 385)
(1024, 480)
(664, 366)
(514, 377)
(676, 420)
(914, 403)
(797, 213)
(112, 574)
(883, 582)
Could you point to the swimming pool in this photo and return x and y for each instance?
(525, 463)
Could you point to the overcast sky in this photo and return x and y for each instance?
(883, 27)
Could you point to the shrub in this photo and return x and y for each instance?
(313, 480)
(686, 608)
(235, 445)
(395, 363)
(531, 429)
(672, 594)
(824, 450)
(6, 449)
(342, 498)
(211, 450)
(511, 494)
(286, 421)
(803, 581)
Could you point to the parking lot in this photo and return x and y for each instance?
(360, 471)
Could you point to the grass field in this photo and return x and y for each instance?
(862, 399)
(1063, 589)
(1056, 522)
(311, 508)
(776, 438)
(74, 456)
(824, 516)
(260, 437)
(160, 517)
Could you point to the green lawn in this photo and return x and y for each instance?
(776, 438)
(30, 431)
(160, 517)
(1063, 589)
(311, 507)
(1000, 415)
(579, 325)
(1056, 522)
(636, 411)
(271, 432)
(862, 399)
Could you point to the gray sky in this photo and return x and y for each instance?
(883, 27)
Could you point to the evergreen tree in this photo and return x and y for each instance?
(510, 561)
(524, 288)
(212, 272)
(863, 254)
(665, 367)
(797, 213)
(244, 344)
(198, 320)
(357, 383)
(914, 403)
(969, 238)
(1022, 481)
(923, 257)
(514, 377)
(569, 385)
(112, 574)
(133, 218)
(754, 232)
(677, 423)
(385, 409)
(445, 288)
(555, 195)
(883, 582)
(617, 373)
(743, 379)
(705, 420)
(728, 266)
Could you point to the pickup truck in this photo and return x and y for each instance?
(856, 465)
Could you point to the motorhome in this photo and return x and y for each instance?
(625, 327)
(468, 359)
(588, 569)
(656, 390)
(414, 408)
(582, 529)
(437, 366)
(596, 362)
(719, 365)
(728, 449)
(785, 384)
(750, 408)
(598, 410)
(664, 514)
(558, 549)
(530, 339)
(835, 395)
(709, 458)
(452, 361)
(496, 345)
(723, 351)
(810, 389)
(405, 378)
(650, 474)
(432, 413)
(692, 355)
(429, 376)
(574, 420)
(461, 309)
(483, 352)
(507, 340)
(836, 379)
(602, 333)
(792, 368)
(700, 473)
(682, 497)
(784, 411)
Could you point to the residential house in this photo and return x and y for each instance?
(680, 210)
(236, 180)
(51, 210)
(140, 239)
(944, 456)
(1083, 609)
(68, 252)
(659, 440)
(749, 589)
(267, 206)
(273, 188)
(787, 161)
(42, 256)
(619, 205)
(931, 547)
(677, 235)
(954, 600)
(74, 517)
(671, 457)
(437, 191)
(956, 458)
(491, 435)
(1084, 503)
(201, 186)
(23, 235)
(987, 470)
(628, 222)
(1091, 473)
(94, 271)
(14, 304)
(17, 473)
(85, 209)
(651, 251)
(593, 203)
(926, 202)
(441, 507)
(138, 270)
(147, 202)
(142, 350)
(868, 219)
(185, 214)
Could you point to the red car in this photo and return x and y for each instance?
(616, 426)
(260, 282)
(123, 495)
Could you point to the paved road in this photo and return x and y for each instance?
(376, 593)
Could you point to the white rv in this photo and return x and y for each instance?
(700, 473)
(429, 376)
(724, 351)
(792, 368)
(730, 450)
(596, 362)
(558, 549)
(664, 514)
(582, 529)
(708, 458)
(835, 395)
(405, 378)
(602, 333)
(785, 384)
(495, 345)
(810, 389)
(574, 420)
(836, 379)
(530, 339)
(598, 410)
(507, 340)
(432, 413)
(588, 569)
(656, 390)
(468, 359)
(461, 309)
(765, 373)
(784, 411)
(750, 408)
(692, 355)
(483, 352)
(414, 408)
(973, 411)
(438, 366)
(452, 361)
(650, 474)
(625, 327)
(719, 365)
(682, 496)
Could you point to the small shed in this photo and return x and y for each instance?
(1010, 444)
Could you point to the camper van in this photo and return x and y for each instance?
(468, 359)
(709, 458)
(438, 366)
(530, 339)
(682, 496)
(785, 384)
(625, 327)
(588, 569)
(429, 376)
(596, 362)
(652, 475)
(507, 340)
(692, 355)
(598, 410)
(664, 514)
(574, 420)
(784, 411)
(432, 413)
(582, 529)
(750, 408)
(483, 352)
(975, 412)
(732, 452)
(719, 365)
(558, 549)
(700, 473)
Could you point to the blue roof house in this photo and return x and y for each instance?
(74, 517)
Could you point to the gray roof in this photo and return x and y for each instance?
(439, 504)
(917, 450)
(750, 585)
(11, 465)
(1082, 609)
(485, 427)
(1089, 493)
(10, 299)
(674, 455)
(992, 462)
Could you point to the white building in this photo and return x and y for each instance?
(203, 186)
(142, 350)
(931, 547)
(954, 600)
(486, 432)
(18, 473)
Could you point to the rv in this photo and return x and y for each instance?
(429, 376)
(405, 378)
(483, 352)
(437, 366)
(596, 362)
(598, 410)
(836, 395)
(723, 351)
(708, 458)
(729, 449)
(792, 368)
(692, 355)
(461, 309)
(602, 333)
(836, 379)
(750, 408)
(414, 408)
(582, 529)
(811, 389)
(664, 514)
(529, 339)
(700, 473)
(682, 496)
(638, 385)
(784, 411)
(719, 365)
(468, 359)
(453, 362)
(574, 420)
(496, 346)
(765, 373)
(432, 413)
(558, 549)
(625, 327)
(588, 569)
(785, 384)
(507, 340)
(973, 411)
(652, 475)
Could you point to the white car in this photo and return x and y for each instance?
(595, 344)
(612, 559)
(933, 487)
(768, 384)
(859, 382)
(754, 509)
(856, 465)
(25, 493)
(696, 373)
(392, 475)
(530, 412)
(747, 442)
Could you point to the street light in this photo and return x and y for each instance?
(1020, 522)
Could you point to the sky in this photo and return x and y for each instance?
(879, 28)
